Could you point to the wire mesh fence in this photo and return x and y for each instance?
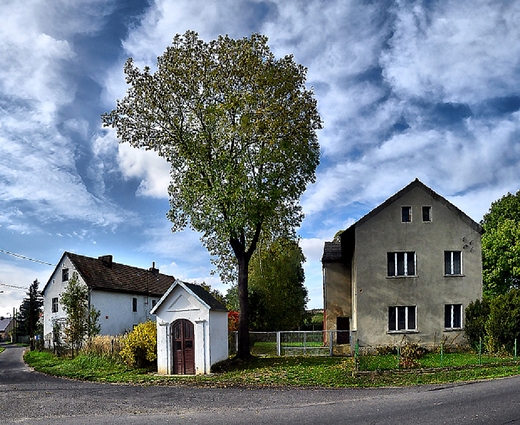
(294, 343)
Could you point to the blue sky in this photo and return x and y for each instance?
(406, 89)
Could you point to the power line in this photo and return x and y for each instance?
(13, 286)
(23, 257)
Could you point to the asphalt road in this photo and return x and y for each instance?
(28, 397)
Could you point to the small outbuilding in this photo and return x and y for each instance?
(192, 330)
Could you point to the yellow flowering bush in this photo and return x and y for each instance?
(140, 345)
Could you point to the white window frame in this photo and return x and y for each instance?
(451, 271)
(452, 316)
(54, 305)
(407, 309)
(405, 260)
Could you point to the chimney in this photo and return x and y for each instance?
(106, 260)
(153, 269)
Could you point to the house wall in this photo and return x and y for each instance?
(116, 315)
(337, 293)
(210, 327)
(430, 289)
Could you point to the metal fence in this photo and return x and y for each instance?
(423, 356)
(295, 343)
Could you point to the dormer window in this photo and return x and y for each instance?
(406, 214)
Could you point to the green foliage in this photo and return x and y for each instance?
(140, 345)
(81, 321)
(238, 127)
(501, 245)
(30, 311)
(277, 295)
(477, 314)
(503, 324)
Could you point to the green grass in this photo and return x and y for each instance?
(324, 372)
(431, 360)
(2, 349)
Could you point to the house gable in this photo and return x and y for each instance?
(395, 262)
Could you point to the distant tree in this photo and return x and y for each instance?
(238, 127)
(219, 296)
(81, 320)
(276, 287)
(501, 246)
(30, 312)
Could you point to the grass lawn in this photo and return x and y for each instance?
(325, 372)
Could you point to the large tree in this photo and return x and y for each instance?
(238, 127)
(501, 245)
(276, 287)
(31, 310)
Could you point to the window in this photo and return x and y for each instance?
(134, 305)
(453, 316)
(406, 214)
(401, 264)
(55, 305)
(426, 214)
(401, 318)
(154, 303)
(64, 275)
(452, 262)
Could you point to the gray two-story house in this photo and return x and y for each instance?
(407, 269)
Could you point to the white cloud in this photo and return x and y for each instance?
(455, 51)
(153, 170)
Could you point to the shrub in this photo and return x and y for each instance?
(140, 345)
(503, 324)
(477, 313)
(104, 345)
(411, 352)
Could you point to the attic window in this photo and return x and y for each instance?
(406, 214)
(64, 275)
(426, 213)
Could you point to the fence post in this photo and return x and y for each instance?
(331, 350)
(278, 344)
(442, 353)
(356, 356)
(480, 351)
(515, 349)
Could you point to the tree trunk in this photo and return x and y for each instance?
(243, 299)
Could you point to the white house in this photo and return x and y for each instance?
(192, 330)
(123, 294)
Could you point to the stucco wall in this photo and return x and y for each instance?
(337, 293)
(430, 289)
(116, 308)
(210, 328)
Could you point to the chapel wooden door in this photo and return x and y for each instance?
(183, 348)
